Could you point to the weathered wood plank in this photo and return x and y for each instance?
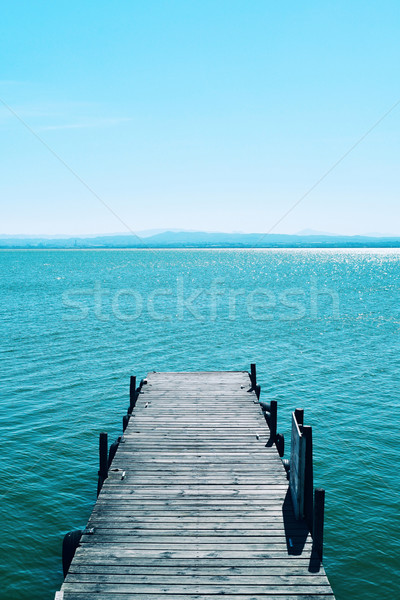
(198, 579)
(91, 555)
(187, 570)
(222, 588)
(161, 596)
(146, 518)
(108, 551)
(167, 596)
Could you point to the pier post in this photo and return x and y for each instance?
(318, 526)
(125, 421)
(253, 375)
(308, 478)
(132, 393)
(273, 419)
(297, 463)
(270, 411)
(280, 444)
(70, 544)
(299, 414)
(103, 460)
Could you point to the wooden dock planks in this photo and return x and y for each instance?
(195, 505)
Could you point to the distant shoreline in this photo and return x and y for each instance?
(211, 247)
(193, 240)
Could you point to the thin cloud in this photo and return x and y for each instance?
(63, 115)
(11, 82)
(101, 122)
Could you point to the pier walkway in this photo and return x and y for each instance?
(195, 505)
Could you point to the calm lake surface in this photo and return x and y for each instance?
(323, 327)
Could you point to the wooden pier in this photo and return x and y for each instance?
(196, 501)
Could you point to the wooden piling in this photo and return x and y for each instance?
(297, 463)
(253, 375)
(273, 419)
(125, 421)
(280, 444)
(308, 478)
(103, 460)
(318, 528)
(132, 393)
(299, 414)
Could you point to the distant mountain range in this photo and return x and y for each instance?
(201, 239)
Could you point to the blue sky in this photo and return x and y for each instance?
(215, 115)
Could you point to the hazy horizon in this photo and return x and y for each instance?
(148, 234)
(151, 232)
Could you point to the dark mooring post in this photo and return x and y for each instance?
(253, 375)
(132, 393)
(125, 421)
(103, 460)
(273, 419)
(318, 526)
(299, 414)
(309, 478)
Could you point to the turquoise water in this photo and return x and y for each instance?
(322, 325)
